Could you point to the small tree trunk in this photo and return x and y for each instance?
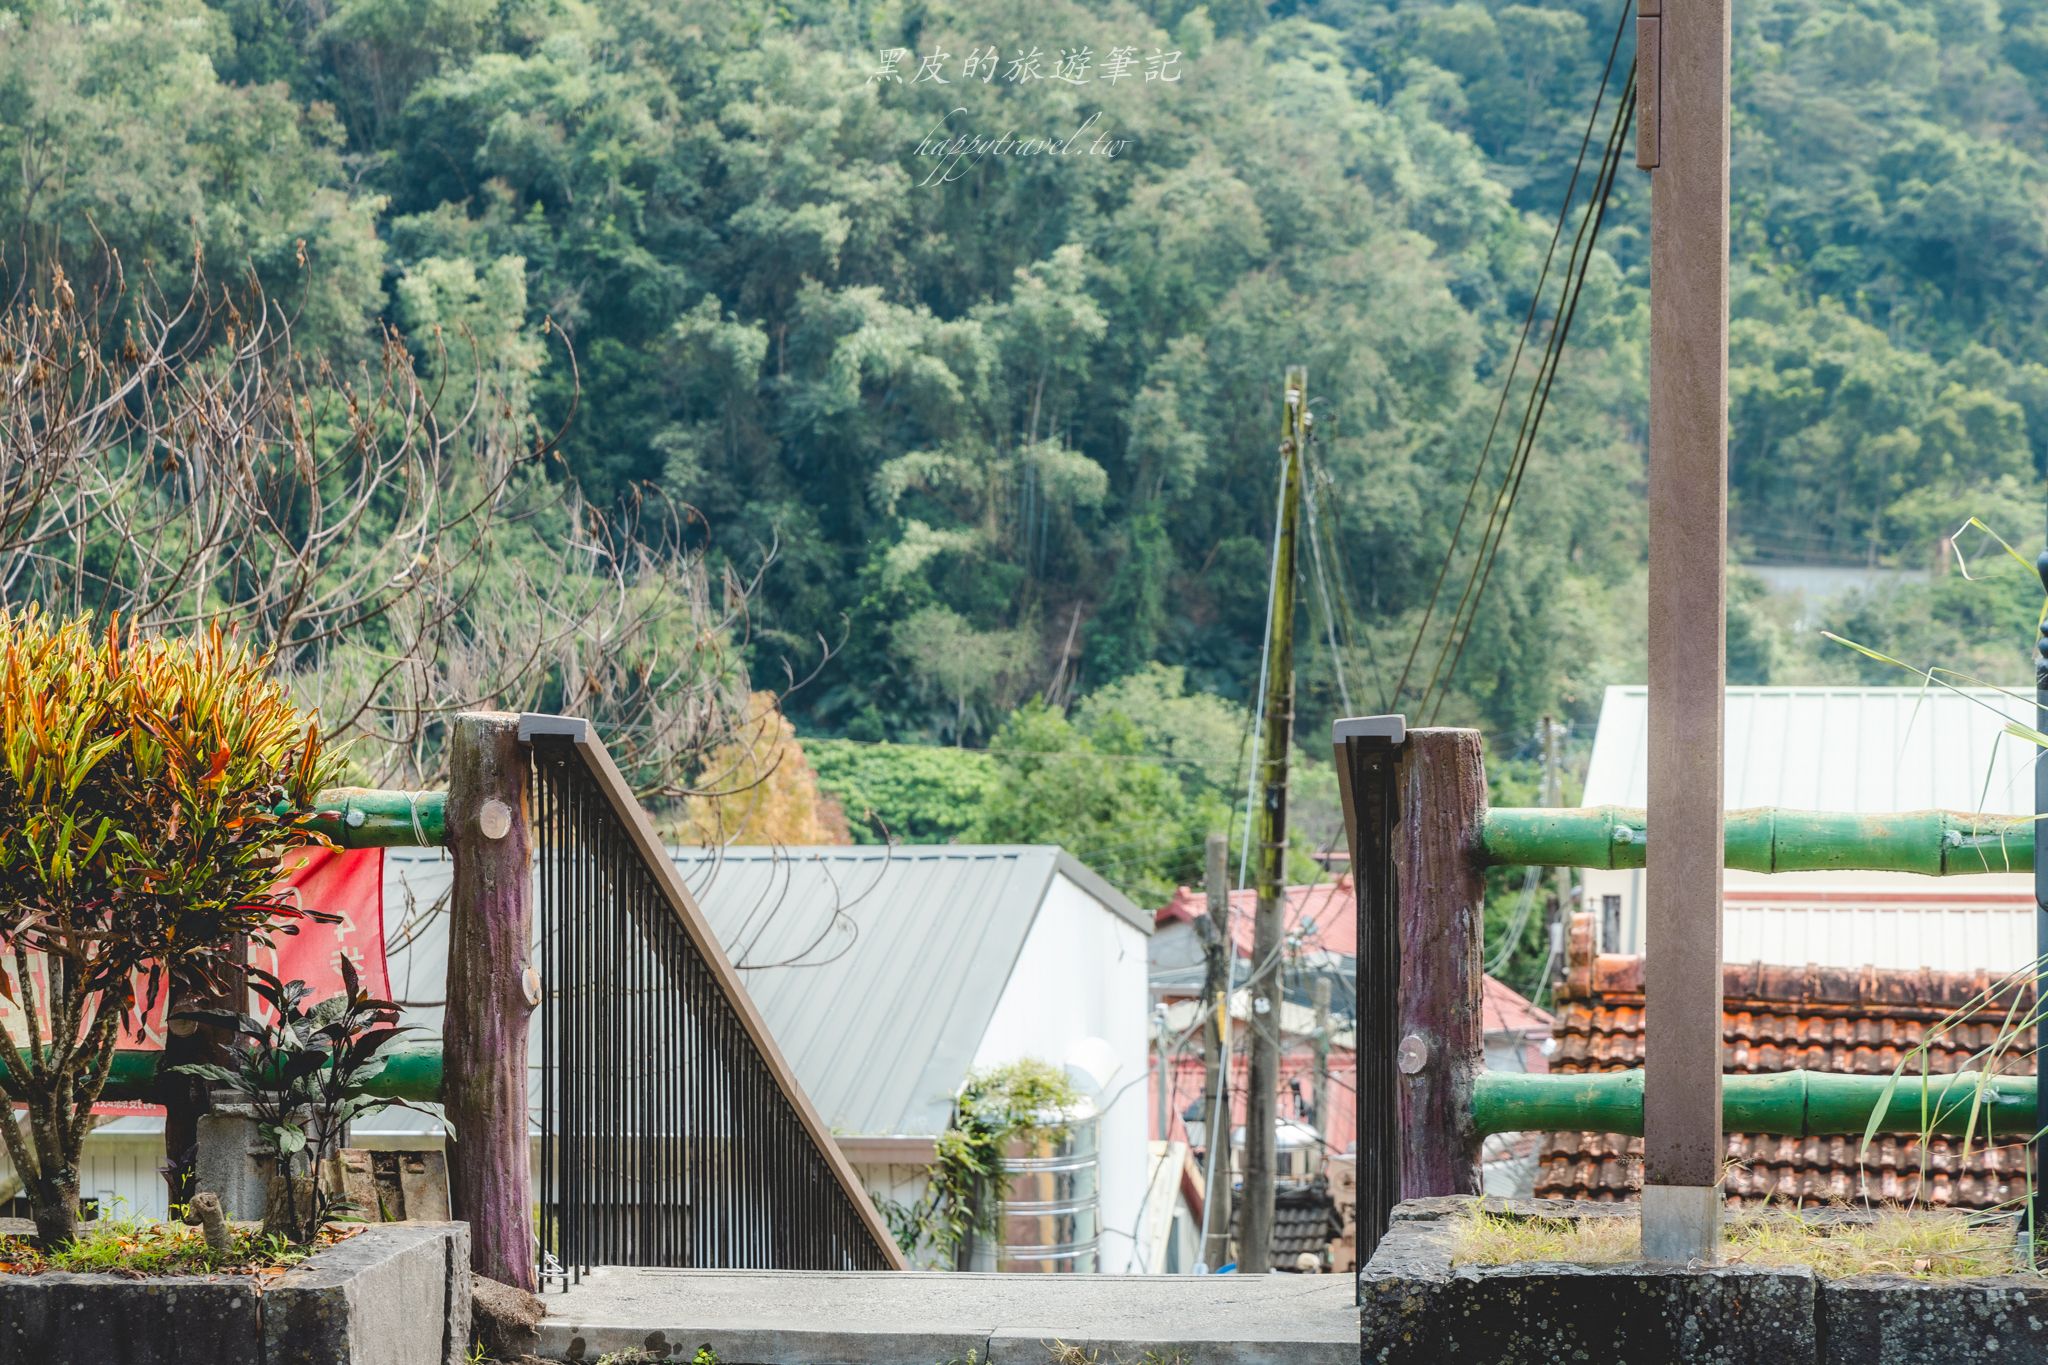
(186, 1098)
(206, 1209)
(53, 1190)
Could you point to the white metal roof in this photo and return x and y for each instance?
(1845, 749)
(1840, 748)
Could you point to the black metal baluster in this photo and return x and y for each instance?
(666, 1138)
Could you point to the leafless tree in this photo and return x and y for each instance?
(409, 545)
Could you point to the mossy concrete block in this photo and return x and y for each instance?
(106, 1320)
(394, 1294)
(1898, 1320)
(1417, 1308)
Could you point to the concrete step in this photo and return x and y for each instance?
(787, 1317)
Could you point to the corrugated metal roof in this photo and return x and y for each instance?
(1839, 748)
(876, 968)
(1850, 749)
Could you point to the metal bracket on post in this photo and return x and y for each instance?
(1366, 749)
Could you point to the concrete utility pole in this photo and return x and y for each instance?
(1320, 1095)
(1161, 1048)
(1682, 62)
(1261, 1105)
(1553, 795)
(1218, 955)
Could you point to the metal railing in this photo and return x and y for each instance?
(1365, 771)
(672, 1131)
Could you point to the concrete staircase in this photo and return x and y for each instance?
(789, 1317)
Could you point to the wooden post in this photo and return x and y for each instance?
(1682, 56)
(1218, 956)
(1561, 908)
(1367, 750)
(1440, 903)
(2037, 1212)
(490, 936)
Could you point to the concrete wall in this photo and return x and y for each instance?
(1080, 977)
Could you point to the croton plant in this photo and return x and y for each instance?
(148, 786)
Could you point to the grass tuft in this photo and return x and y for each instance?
(138, 1248)
(1933, 1246)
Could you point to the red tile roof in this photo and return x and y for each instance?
(1323, 915)
(1856, 1020)
(1506, 1010)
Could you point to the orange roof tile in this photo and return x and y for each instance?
(1776, 1018)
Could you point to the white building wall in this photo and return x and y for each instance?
(118, 1169)
(1082, 976)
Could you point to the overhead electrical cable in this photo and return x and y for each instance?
(1507, 382)
(1539, 396)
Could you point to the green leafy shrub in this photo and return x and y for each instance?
(906, 793)
(303, 1075)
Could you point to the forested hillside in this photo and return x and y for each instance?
(1007, 437)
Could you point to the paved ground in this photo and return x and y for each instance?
(805, 1318)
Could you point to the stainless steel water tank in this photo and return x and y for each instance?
(1052, 1219)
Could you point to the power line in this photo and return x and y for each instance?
(1507, 383)
(1539, 394)
(1346, 598)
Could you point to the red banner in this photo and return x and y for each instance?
(348, 883)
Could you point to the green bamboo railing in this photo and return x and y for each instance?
(408, 1073)
(1938, 843)
(357, 817)
(1789, 1103)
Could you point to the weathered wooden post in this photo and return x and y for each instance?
(2038, 1213)
(1414, 808)
(1682, 49)
(490, 995)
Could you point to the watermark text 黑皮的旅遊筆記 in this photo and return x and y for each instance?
(954, 149)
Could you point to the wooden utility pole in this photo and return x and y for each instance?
(1218, 955)
(1319, 1096)
(1261, 1116)
(490, 995)
(1682, 64)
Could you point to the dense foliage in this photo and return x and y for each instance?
(1011, 436)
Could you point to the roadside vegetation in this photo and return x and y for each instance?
(1925, 1244)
